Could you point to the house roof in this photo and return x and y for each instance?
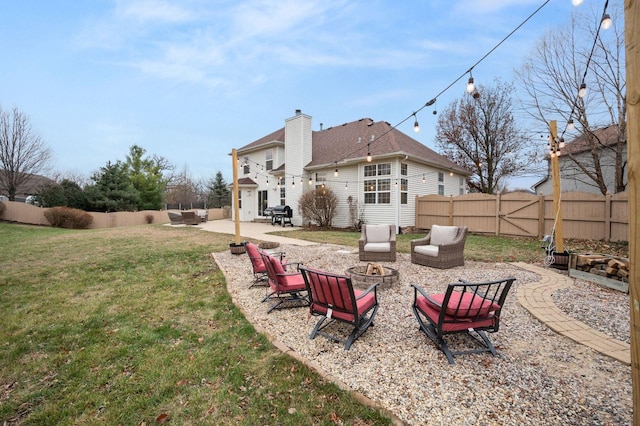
(606, 136)
(351, 142)
(30, 187)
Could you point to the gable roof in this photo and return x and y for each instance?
(607, 136)
(350, 142)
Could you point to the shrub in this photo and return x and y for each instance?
(67, 217)
(148, 218)
(318, 206)
(2, 208)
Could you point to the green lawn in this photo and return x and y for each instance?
(134, 326)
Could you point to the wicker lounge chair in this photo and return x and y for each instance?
(442, 247)
(175, 218)
(190, 218)
(377, 242)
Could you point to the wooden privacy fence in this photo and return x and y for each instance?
(33, 215)
(584, 215)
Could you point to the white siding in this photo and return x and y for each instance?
(573, 179)
(297, 154)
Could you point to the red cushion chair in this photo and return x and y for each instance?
(259, 268)
(333, 298)
(469, 308)
(285, 286)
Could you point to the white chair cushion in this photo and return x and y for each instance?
(377, 233)
(428, 250)
(377, 247)
(443, 235)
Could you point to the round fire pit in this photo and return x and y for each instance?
(362, 281)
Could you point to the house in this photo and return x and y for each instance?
(572, 177)
(29, 184)
(375, 170)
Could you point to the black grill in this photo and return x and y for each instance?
(280, 214)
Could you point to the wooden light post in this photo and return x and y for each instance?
(632, 35)
(554, 152)
(237, 247)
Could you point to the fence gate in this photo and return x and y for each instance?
(519, 214)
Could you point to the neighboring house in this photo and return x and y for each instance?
(29, 187)
(572, 178)
(278, 168)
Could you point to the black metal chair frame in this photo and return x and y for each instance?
(279, 293)
(475, 316)
(328, 294)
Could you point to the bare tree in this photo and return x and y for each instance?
(183, 191)
(554, 72)
(479, 132)
(23, 153)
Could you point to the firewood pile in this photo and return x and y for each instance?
(604, 266)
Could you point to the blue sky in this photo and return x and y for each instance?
(189, 80)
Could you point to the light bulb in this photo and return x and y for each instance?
(416, 127)
(369, 158)
(583, 90)
(576, 2)
(570, 124)
(470, 85)
(605, 23)
(335, 173)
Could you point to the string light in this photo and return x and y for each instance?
(470, 84)
(433, 100)
(582, 92)
(605, 22)
(416, 126)
(570, 124)
(335, 174)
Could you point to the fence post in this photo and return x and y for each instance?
(540, 216)
(450, 210)
(607, 217)
(497, 226)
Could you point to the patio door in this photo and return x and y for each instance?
(263, 202)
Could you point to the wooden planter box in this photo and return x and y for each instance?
(608, 271)
(237, 248)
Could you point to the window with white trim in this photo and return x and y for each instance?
(377, 189)
(268, 159)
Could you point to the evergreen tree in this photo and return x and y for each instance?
(112, 190)
(219, 193)
(146, 175)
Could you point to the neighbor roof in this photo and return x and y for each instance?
(606, 136)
